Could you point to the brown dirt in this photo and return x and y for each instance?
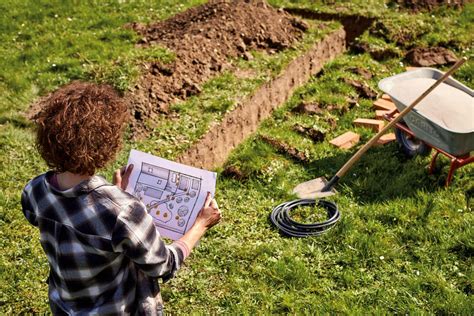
(430, 56)
(310, 108)
(234, 172)
(429, 5)
(315, 135)
(362, 88)
(203, 39)
(314, 108)
(351, 103)
(362, 72)
(213, 148)
(384, 54)
(286, 149)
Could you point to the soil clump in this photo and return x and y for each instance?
(351, 103)
(234, 172)
(310, 108)
(361, 71)
(285, 149)
(203, 40)
(430, 56)
(315, 135)
(362, 88)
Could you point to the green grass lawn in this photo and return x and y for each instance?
(404, 244)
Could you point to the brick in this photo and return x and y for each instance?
(346, 140)
(375, 125)
(379, 114)
(382, 104)
(386, 97)
(385, 139)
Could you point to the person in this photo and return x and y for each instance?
(105, 255)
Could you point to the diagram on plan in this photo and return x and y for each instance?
(169, 196)
(172, 193)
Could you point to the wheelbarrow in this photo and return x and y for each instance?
(443, 121)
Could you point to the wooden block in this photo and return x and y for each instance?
(387, 138)
(375, 125)
(386, 97)
(348, 145)
(382, 104)
(379, 114)
(346, 140)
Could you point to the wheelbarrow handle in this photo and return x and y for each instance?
(369, 144)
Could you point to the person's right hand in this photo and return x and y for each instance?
(210, 214)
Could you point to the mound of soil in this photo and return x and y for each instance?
(430, 56)
(428, 5)
(203, 39)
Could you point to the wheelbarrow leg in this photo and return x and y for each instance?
(454, 165)
(433, 162)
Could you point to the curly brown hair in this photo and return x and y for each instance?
(79, 127)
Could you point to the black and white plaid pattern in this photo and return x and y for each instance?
(104, 252)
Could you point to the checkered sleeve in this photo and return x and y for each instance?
(27, 207)
(136, 236)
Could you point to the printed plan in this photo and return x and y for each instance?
(172, 193)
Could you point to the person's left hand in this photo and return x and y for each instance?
(121, 176)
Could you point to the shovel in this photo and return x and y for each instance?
(320, 187)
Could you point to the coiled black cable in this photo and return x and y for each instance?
(280, 217)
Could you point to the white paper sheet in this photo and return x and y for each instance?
(173, 193)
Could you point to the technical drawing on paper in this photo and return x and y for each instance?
(172, 193)
(169, 196)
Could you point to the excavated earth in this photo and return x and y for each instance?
(430, 56)
(204, 39)
(213, 148)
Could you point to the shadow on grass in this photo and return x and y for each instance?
(383, 173)
(17, 121)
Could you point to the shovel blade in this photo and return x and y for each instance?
(312, 189)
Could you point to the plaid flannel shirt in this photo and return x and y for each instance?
(104, 252)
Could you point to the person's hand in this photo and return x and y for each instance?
(210, 214)
(121, 176)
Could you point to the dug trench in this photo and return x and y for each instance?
(277, 30)
(212, 150)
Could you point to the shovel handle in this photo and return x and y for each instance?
(364, 148)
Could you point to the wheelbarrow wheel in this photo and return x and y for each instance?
(410, 145)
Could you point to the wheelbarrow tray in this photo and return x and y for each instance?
(455, 142)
